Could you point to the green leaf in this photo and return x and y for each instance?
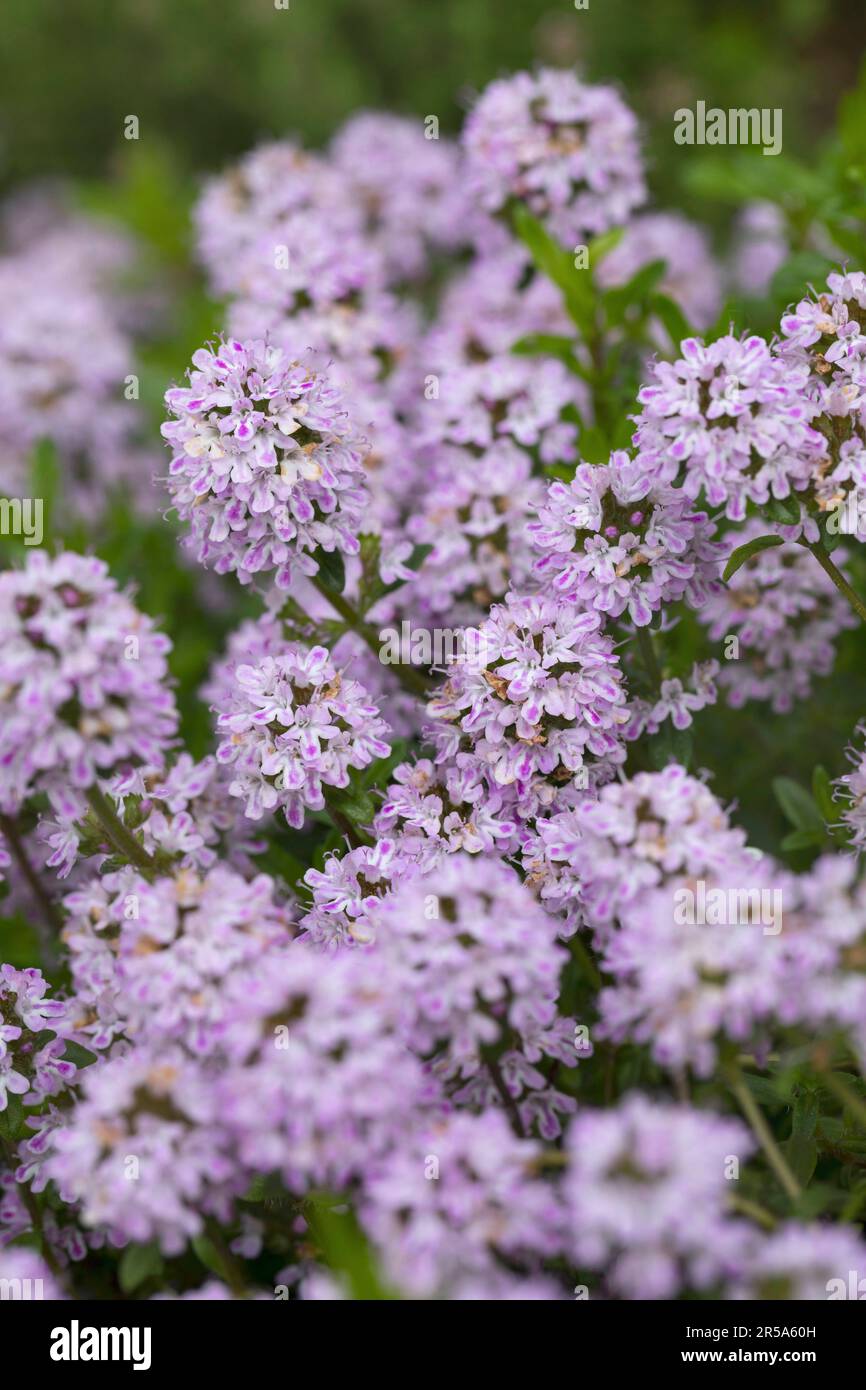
(603, 244)
(766, 1092)
(743, 553)
(802, 839)
(13, 1120)
(822, 790)
(557, 264)
(671, 745)
(19, 943)
(347, 1252)
(138, 1263)
(676, 324)
(207, 1252)
(74, 1052)
(798, 805)
(852, 121)
(355, 803)
(802, 1156)
(634, 292)
(805, 1115)
(785, 511)
(332, 569)
(45, 481)
(594, 445)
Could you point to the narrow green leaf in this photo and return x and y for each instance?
(138, 1263)
(332, 569)
(797, 805)
(745, 552)
(822, 790)
(802, 1156)
(676, 324)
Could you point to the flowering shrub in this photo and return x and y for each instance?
(470, 967)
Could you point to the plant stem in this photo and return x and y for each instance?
(843, 1093)
(49, 930)
(505, 1095)
(354, 834)
(581, 954)
(231, 1271)
(753, 1209)
(408, 677)
(122, 839)
(649, 658)
(838, 579)
(28, 1197)
(764, 1135)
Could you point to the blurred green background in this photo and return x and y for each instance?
(211, 77)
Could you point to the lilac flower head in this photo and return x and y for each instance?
(264, 465)
(473, 513)
(507, 396)
(540, 690)
(811, 1262)
(149, 1114)
(321, 1084)
(633, 836)
(647, 1190)
(745, 955)
(733, 419)
(63, 368)
(83, 678)
(460, 1196)
(567, 149)
(825, 336)
(479, 956)
(785, 614)
(408, 185)
(278, 196)
(295, 725)
(616, 539)
(30, 1066)
(150, 960)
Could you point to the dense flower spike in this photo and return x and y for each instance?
(465, 1194)
(83, 679)
(481, 968)
(741, 954)
(538, 692)
(595, 860)
(568, 150)
(408, 184)
(802, 1263)
(777, 620)
(64, 367)
(827, 336)
(31, 1066)
(149, 960)
(293, 726)
(733, 421)
(647, 1187)
(616, 539)
(265, 465)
